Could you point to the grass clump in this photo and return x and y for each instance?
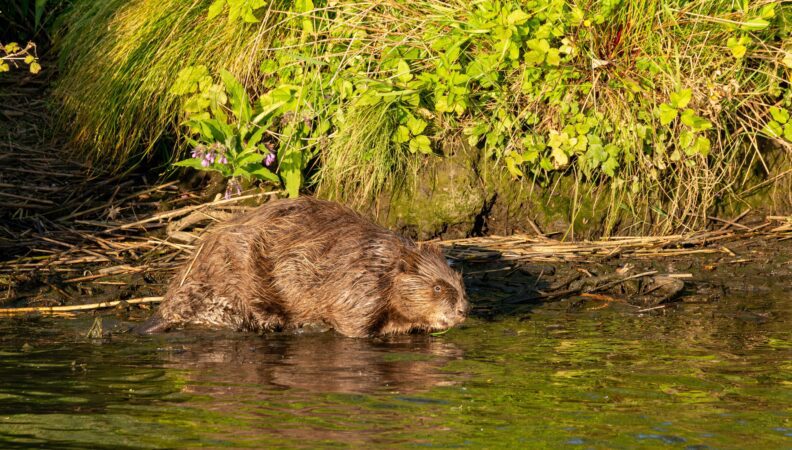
(661, 108)
(119, 58)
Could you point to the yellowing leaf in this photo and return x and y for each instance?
(415, 125)
(681, 99)
(739, 51)
(560, 158)
(403, 71)
(420, 144)
(511, 165)
(702, 146)
(755, 25)
(35, 67)
(553, 57)
(780, 115)
(667, 114)
(216, 8)
(401, 135)
(517, 17)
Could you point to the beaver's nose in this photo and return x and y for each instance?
(463, 308)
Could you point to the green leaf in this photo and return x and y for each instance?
(686, 139)
(539, 45)
(262, 173)
(268, 66)
(216, 8)
(420, 144)
(401, 135)
(517, 17)
(681, 99)
(38, 14)
(755, 25)
(188, 80)
(780, 115)
(291, 171)
(237, 96)
(194, 163)
(702, 146)
(737, 46)
(553, 57)
(773, 129)
(416, 126)
(249, 158)
(610, 166)
(369, 98)
(403, 71)
(667, 113)
(787, 60)
(576, 16)
(240, 172)
(511, 165)
(695, 122)
(768, 11)
(788, 131)
(533, 57)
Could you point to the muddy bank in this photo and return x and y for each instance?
(71, 233)
(463, 194)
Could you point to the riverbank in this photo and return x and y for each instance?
(72, 234)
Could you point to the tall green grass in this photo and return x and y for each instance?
(659, 110)
(118, 58)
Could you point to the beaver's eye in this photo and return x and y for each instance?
(437, 288)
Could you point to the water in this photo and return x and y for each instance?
(713, 375)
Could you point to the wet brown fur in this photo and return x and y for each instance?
(306, 261)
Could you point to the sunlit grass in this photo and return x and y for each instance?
(119, 58)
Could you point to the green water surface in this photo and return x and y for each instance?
(715, 375)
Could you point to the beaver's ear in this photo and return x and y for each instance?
(430, 249)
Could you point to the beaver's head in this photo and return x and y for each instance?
(427, 293)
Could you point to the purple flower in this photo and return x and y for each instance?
(199, 151)
(269, 159)
(232, 186)
(209, 155)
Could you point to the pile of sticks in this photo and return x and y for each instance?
(538, 248)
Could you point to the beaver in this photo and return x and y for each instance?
(296, 262)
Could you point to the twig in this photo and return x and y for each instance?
(87, 307)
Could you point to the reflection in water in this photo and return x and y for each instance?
(321, 362)
(320, 375)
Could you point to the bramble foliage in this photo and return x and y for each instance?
(644, 95)
(521, 79)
